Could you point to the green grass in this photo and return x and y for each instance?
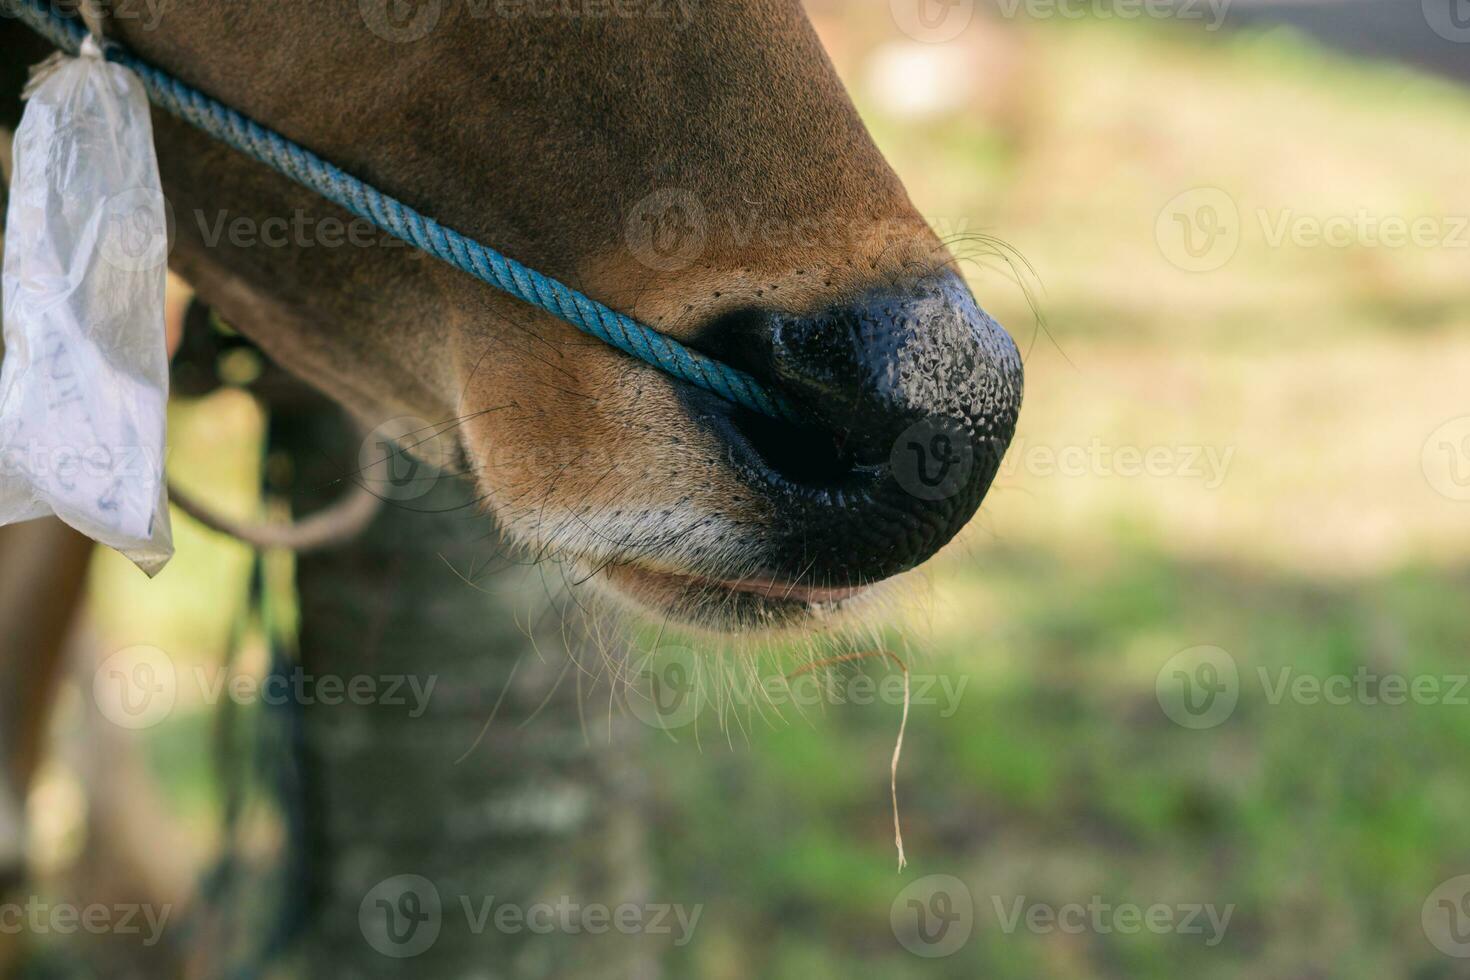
(1325, 825)
(1061, 777)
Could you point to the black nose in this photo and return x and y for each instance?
(908, 397)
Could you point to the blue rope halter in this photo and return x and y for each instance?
(402, 221)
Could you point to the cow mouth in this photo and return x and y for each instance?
(726, 604)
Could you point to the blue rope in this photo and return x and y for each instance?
(402, 221)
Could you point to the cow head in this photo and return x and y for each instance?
(697, 166)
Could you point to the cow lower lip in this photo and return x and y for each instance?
(642, 580)
(775, 589)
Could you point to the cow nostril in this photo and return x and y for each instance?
(807, 456)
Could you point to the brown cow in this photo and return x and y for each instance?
(695, 165)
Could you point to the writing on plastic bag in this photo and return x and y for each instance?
(84, 381)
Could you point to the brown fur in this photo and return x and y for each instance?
(543, 136)
(540, 136)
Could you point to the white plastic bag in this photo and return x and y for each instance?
(84, 382)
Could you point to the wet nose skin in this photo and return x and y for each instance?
(909, 396)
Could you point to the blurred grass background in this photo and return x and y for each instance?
(1320, 371)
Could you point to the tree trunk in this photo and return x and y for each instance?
(435, 838)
